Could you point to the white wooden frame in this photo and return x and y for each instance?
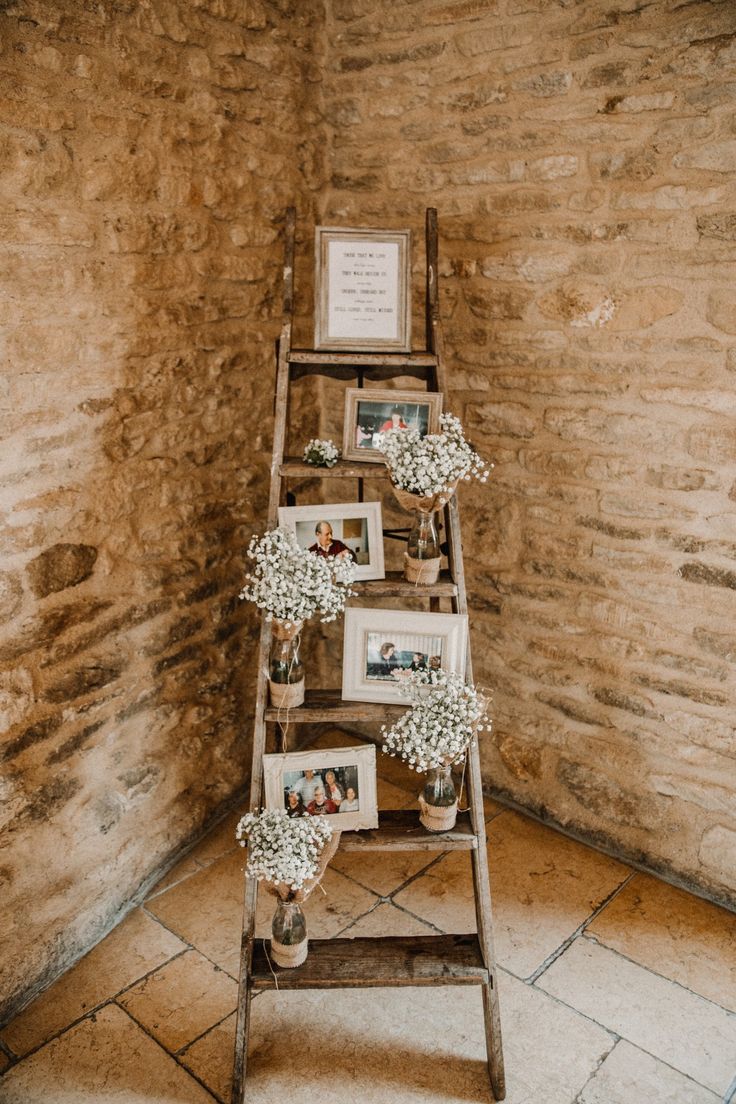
(341, 511)
(385, 396)
(355, 276)
(323, 759)
(394, 624)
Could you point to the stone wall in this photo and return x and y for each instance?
(148, 151)
(582, 158)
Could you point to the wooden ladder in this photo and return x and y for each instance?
(383, 961)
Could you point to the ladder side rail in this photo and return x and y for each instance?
(259, 726)
(481, 875)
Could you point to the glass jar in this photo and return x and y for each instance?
(285, 669)
(288, 934)
(438, 800)
(423, 549)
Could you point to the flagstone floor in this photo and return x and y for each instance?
(615, 988)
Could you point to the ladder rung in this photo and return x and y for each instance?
(391, 960)
(396, 586)
(344, 469)
(327, 358)
(400, 830)
(328, 706)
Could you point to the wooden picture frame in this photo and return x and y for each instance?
(368, 412)
(373, 674)
(354, 769)
(357, 524)
(362, 289)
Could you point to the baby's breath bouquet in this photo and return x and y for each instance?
(283, 851)
(424, 473)
(446, 714)
(321, 453)
(291, 584)
(289, 856)
(431, 465)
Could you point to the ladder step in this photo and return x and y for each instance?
(364, 963)
(373, 366)
(396, 586)
(400, 830)
(327, 706)
(294, 468)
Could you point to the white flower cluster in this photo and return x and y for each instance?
(323, 454)
(446, 714)
(432, 464)
(282, 849)
(291, 583)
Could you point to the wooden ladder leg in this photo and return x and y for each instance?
(484, 917)
(242, 1027)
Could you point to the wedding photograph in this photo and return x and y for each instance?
(339, 784)
(371, 412)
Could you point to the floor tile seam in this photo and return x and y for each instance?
(188, 946)
(580, 930)
(204, 863)
(187, 1046)
(663, 977)
(109, 999)
(184, 878)
(421, 919)
(168, 1053)
(730, 1096)
(419, 874)
(594, 1072)
(583, 1015)
(354, 920)
(399, 888)
(619, 1035)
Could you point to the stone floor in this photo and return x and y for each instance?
(615, 987)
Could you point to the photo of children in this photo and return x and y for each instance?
(389, 659)
(325, 791)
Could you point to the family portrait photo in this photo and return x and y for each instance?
(370, 412)
(340, 529)
(339, 784)
(324, 791)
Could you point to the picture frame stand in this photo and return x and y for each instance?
(427, 960)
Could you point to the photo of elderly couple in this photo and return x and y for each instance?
(321, 792)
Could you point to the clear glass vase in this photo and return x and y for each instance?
(423, 549)
(438, 800)
(288, 934)
(285, 669)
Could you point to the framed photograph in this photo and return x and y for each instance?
(371, 411)
(362, 290)
(339, 783)
(351, 529)
(382, 646)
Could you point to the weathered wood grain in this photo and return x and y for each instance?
(365, 963)
(400, 830)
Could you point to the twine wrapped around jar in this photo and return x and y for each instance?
(423, 569)
(290, 955)
(437, 818)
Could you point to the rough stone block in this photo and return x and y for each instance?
(61, 566)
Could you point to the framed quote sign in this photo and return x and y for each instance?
(362, 289)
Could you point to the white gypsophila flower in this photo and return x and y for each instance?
(445, 715)
(321, 453)
(282, 849)
(434, 463)
(291, 583)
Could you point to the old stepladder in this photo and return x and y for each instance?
(390, 960)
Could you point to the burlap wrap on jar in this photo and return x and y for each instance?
(285, 955)
(437, 818)
(422, 572)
